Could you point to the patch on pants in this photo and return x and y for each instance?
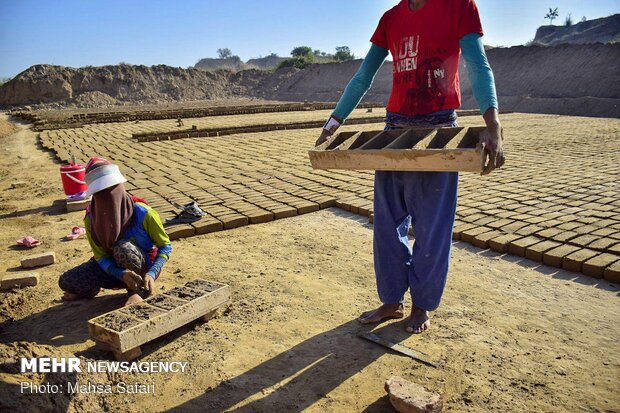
(128, 256)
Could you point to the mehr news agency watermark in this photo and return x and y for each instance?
(75, 365)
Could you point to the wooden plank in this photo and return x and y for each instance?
(443, 149)
(464, 160)
(125, 329)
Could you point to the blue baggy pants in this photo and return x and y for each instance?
(426, 200)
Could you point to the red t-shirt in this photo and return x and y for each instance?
(425, 49)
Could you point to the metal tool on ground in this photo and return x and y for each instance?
(190, 213)
(416, 355)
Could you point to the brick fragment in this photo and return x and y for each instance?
(38, 260)
(16, 280)
(408, 397)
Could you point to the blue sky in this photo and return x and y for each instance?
(178, 33)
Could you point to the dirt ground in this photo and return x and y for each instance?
(511, 335)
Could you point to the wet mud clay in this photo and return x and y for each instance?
(164, 302)
(142, 311)
(203, 285)
(185, 293)
(117, 322)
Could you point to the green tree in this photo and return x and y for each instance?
(343, 53)
(301, 51)
(225, 53)
(552, 15)
(569, 20)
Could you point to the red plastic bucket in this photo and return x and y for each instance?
(73, 178)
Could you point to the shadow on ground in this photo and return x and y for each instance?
(309, 370)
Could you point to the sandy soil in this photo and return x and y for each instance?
(511, 335)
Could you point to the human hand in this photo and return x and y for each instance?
(330, 127)
(491, 140)
(149, 285)
(324, 135)
(132, 280)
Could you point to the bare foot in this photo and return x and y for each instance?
(418, 321)
(384, 312)
(133, 299)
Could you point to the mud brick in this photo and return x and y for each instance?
(499, 223)
(602, 244)
(15, 280)
(38, 260)
(180, 231)
(500, 244)
(78, 205)
(325, 202)
(469, 234)
(584, 240)
(564, 236)
(233, 221)
(205, 226)
(284, 212)
(574, 261)
(519, 246)
(555, 256)
(259, 216)
(614, 249)
(612, 273)
(515, 226)
(535, 252)
(482, 240)
(459, 228)
(529, 230)
(485, 220)
(595, 266)
(307, 207)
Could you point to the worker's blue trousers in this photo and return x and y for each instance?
(426, 200)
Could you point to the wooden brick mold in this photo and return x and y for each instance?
(445, 149)
(124, 330)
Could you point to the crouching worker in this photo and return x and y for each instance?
(129, 243)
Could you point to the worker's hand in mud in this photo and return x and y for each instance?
(491, 140)
(132, 280)
(149, 285)
(324, 136)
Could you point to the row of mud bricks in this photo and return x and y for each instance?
(209, 132)
(80, 119)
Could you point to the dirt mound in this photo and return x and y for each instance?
(566, 79)
(127, 83)
(604, 30)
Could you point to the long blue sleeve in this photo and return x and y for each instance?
(361, 82)
(480, 73)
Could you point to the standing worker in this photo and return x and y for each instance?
(128, 240)
(425, 38)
